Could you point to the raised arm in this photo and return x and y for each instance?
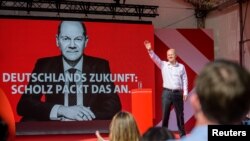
(152, 55)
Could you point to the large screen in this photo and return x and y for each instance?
(28, 45)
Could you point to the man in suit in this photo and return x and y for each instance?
(79, 104)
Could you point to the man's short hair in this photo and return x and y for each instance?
(82, 23)
(157, 134)
(3, 130)
(223, 88)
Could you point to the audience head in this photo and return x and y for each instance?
(124, 128)
(157, 134)
(3, 130)
(223, 92)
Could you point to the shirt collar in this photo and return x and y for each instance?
(78, 66)
(175, 65)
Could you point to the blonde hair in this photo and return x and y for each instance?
(124, 128)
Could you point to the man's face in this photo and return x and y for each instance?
(171, 56)
(71, 40)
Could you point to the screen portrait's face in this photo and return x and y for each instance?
(71, 40)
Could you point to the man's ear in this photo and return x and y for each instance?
(195, 102)
(86, 41)
(57, 40)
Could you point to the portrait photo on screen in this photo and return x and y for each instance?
(72, 71)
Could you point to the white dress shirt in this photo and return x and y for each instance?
(173, 76)
(79, 95)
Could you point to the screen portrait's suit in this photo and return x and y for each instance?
(103, 105)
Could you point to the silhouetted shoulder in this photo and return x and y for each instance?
(49, 63)
(52, 59)
(94, 59)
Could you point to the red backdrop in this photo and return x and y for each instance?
(23, 41)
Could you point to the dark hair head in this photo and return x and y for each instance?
(3, 130)
(223, 88)
(157, 134)
(82, 23)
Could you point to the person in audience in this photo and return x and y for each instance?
(157, 134)
(222, 97)
(246, 120)
(123, 127)
(3, 130)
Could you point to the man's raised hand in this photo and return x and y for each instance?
(147, 45)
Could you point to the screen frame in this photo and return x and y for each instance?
(74, 19)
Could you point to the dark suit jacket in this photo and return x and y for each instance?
(104, 106)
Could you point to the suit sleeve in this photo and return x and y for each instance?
(30, 105)
(106, 104)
